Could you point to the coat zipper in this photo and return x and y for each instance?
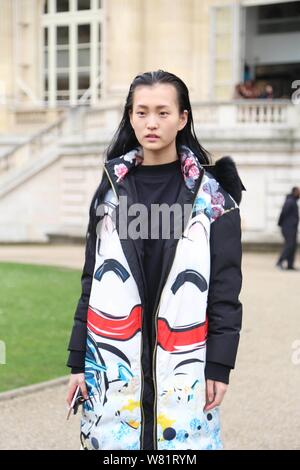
(141, 347)
(154, 360)
(142, 387)
(155, 320)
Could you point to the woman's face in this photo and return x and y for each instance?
(155, 111)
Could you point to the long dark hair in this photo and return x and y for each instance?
(125, 139)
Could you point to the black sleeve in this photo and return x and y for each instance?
(214, 371)
(77, 343)
(77, 370)
(285, 212)
(224, 308)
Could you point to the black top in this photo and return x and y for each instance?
(156, 184)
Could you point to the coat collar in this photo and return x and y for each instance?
(119, 167)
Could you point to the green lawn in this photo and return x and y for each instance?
(37, 305)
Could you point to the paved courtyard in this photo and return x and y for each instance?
(261, 409)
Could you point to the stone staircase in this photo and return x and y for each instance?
(48, 179)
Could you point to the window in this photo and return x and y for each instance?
(46, 84)
(46, 37)
(99, 62)
(46, 59)
(62, 82)
(62, 62)
(62, 59)
(45, 7)
(62, 50)
(62, 35)
(83, 81)
(279, 18)
(84, 36)
(83, 4)
(63, 96)
(62, 5)
(84, 33)
(84, 58)
(71, 61)
(46, 65)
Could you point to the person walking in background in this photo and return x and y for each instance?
(288, 221)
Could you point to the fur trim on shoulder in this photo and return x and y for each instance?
(225, 172)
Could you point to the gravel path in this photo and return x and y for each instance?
(261, 409)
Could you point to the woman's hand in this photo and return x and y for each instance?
(215, 392)
(76, 379)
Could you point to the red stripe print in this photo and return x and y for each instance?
(181, 339)
(117, 329)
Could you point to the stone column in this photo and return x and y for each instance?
(6, 62)
(168, 37)
(123, 44)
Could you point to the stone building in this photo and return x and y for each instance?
(65, 70)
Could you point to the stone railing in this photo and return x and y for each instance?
(260, 113)
(32, 148)
(84, 122)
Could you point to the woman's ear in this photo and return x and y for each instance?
(184, 119)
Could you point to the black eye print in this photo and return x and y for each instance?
(189, 275)
(112, 265)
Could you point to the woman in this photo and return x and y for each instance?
(156, 329)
